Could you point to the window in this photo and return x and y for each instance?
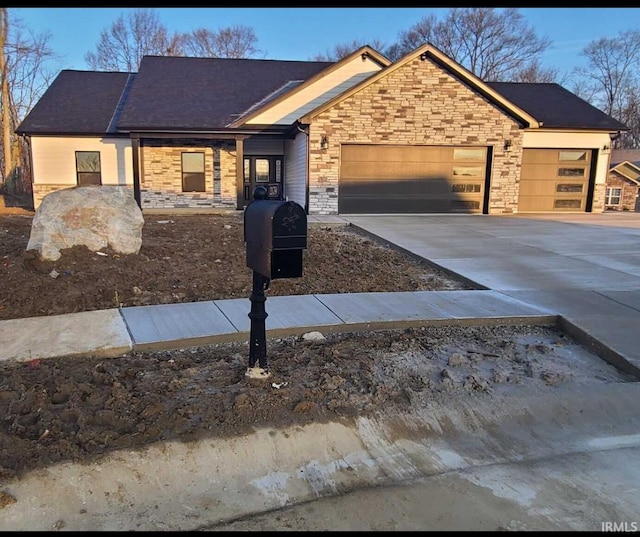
(88, 168)
(567, 204)
(469, 187)
(193, 172)
(613, 196)
(467, 171)
(569, 187)
(262, 170)
(572, 155)
(570, 172)
(468, 153)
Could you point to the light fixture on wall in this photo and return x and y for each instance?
(507, 144)
(364, 56)
(423, 56)
(324, 142)
(606, 148)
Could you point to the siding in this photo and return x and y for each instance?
(54, 162)
(318, 93)
(295, 170)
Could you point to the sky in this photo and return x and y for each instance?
(302, 33)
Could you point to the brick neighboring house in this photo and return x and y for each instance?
(361, 135)
(623, 181)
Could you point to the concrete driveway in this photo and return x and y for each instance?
(585, 267)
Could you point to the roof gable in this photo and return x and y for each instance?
(429, 52)
(628, 170)
(287, 106)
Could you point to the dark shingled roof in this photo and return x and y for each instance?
(182, 93)
(207, 94)
(78, 102)
(555, 106)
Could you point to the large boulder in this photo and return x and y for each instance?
(93, 216)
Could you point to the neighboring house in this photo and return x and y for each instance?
(623, 181)
(361, 135)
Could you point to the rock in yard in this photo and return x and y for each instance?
(313, 336)
(93, 216)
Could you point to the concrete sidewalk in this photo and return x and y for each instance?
(117, 331)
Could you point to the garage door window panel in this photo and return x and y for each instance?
(569, 188)
(573, 156)
(469, 153)
(571, 172)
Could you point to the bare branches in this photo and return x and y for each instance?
(122, 46)
(341, 50)
(230, 42)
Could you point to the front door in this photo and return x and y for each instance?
(264, 171)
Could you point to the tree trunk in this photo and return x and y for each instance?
(6, 116)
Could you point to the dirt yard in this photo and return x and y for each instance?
(78, 409)
(192, 258)
(64, 409)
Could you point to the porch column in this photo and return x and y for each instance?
(239, 173)
(135, 146)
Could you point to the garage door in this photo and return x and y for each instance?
(411, 179)
(554, 180)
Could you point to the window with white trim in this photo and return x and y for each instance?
(613, 196)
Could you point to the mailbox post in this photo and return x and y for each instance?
(275, 234)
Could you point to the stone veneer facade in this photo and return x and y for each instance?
(161, 176)
(418, 104)
(629, 196)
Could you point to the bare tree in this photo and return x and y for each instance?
(4, 88)
(613, 65)
(25, 72)
(630, 116)
(230, 42)
(612, 74)
(342, 50)
(122, 46)
(495, 45)
(534, 72)
(424, 31)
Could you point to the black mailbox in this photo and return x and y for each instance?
(275, 233)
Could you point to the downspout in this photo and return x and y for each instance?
(27, 140)
(306, 186)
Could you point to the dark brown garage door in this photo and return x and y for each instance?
(554, 180)
(411, 179)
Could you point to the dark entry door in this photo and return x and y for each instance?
(267, 171)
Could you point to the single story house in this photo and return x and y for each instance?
(362, 135)
(623, 182)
